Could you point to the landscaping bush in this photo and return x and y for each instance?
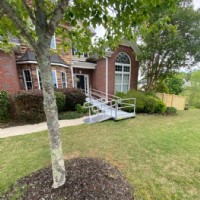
(60, 101)
(4, 106)
(171, 111)
(70, 115)
(160, 106)
(29, 106)
(81, 109)
(140, 100)
(150, 105)
(145, 102)
(73, 96)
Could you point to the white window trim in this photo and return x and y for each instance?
(65, 78)
(122, 72)
(122, 64)
(37, 71)
(53, 42)
(55, 77)
(25, 78)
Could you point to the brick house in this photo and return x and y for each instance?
(116, 71)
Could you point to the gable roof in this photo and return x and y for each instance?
(133, 45)
(29, 57)
(108, 51)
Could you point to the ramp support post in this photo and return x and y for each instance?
(116, 108)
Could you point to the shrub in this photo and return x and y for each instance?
(70, 115)
(29, 106)
(160, 107)
(197, 105)
(145, 102)
(60, 101)
(81, 109)
(4, 106)
(150, 105)
(140, 100)
(171, 111)
(186, 108)
(73, 96)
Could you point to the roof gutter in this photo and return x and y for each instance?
(35, 62)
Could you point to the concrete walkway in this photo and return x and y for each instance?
(28, 129)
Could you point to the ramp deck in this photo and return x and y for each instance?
(107, 112)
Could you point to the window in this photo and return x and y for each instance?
(39, 79)
(27, 79)
(53, 42)
(54, 77)
(77, 52)
(64, 79)
(123, 58)
(122, 73)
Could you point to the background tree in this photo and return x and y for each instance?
(192, 89)
(175, 84)
(169, 43)
(172, 85)
(37, 22)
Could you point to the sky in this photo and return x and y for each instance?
(100, 31)
(196, 3)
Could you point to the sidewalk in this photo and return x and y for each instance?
(28, 129)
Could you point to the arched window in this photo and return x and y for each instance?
(122, 73)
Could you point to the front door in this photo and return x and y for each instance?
(82, 82)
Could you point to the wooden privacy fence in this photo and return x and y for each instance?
(172, 100)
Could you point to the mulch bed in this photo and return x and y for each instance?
(86, 179)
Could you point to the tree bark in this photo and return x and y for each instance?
(50, 107)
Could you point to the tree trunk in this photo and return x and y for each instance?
(50, 107)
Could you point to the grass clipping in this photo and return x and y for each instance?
(86, 178)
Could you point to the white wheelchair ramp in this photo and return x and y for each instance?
(108, 106)
(97, 118)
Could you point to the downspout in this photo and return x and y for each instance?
(72, 70)
(72, 73)
(106, 88)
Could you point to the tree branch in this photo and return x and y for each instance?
(29, 11)
(57, 15)
(19, 23)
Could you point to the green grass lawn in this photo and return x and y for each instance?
(159, 155)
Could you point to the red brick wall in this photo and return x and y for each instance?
(98, 79)
(8, 73)
(99, 76)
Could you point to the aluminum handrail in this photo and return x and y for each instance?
(103, 103)
(100, 104)
(94, 90)
(129, 105)
(115, 103)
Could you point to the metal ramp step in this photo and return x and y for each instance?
(97, 118)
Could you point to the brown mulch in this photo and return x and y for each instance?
(86, 179)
